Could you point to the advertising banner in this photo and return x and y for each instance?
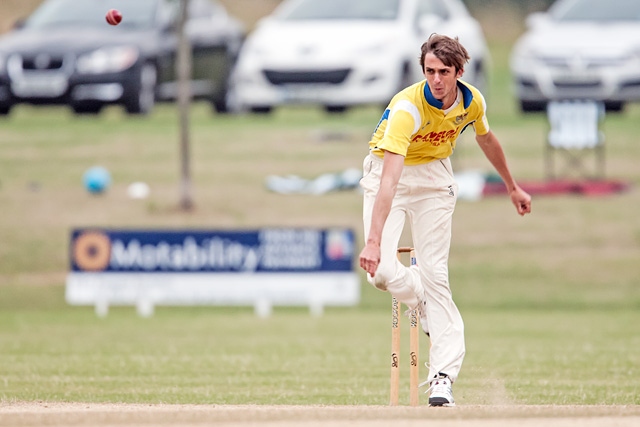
(265, 267)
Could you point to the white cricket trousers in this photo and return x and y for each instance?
(426, 196)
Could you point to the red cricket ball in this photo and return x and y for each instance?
(113, 17)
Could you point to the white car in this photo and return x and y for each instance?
(338, 53)
(579, 49)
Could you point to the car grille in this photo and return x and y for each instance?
(42, 62)
(577, 85)
(568, 63)
(631, 85)
(300, 77)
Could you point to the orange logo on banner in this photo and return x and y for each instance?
(92, 251)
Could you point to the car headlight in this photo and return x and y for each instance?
(257, 50)
(107, 60)
(523, 58)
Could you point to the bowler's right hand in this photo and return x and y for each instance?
(370, 258)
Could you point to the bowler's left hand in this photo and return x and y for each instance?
(521, 200)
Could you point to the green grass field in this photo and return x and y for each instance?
(551, 301)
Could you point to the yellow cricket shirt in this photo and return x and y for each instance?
(415, 126)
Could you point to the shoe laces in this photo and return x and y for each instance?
(423, 383)
(434, 381)
(420, 309)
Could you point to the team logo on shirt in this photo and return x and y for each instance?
(461, 118)
(436, 138)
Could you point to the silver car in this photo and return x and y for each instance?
(579, 49)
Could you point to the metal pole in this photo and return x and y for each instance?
(183, 65)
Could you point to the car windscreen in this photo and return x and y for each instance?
(342, 9)
(74, 13)
(597, 10)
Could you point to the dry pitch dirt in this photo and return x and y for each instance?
(99, 414)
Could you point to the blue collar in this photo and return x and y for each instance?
(467, 96)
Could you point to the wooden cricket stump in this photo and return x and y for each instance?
(414, 348)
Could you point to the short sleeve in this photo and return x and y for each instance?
(403, 122)
(481, 125)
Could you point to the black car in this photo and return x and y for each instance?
(66, 53)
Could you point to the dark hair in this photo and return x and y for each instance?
(446, 49)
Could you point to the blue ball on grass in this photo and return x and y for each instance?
(96, 179)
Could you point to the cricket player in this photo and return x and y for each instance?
(408, 175)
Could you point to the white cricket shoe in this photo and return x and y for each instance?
(441, 394)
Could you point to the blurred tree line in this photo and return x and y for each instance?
(251, 10)
(504, 20)
(523, 6)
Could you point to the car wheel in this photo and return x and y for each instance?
(480, 77)
(335, 109)
(405, 77)
(614, 106)
(533, 106)
(263, 109)
(225, 101)
(220, 105)
(143, 97)
(87, 108)
(5, 110)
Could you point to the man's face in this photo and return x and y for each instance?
(441, 79)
